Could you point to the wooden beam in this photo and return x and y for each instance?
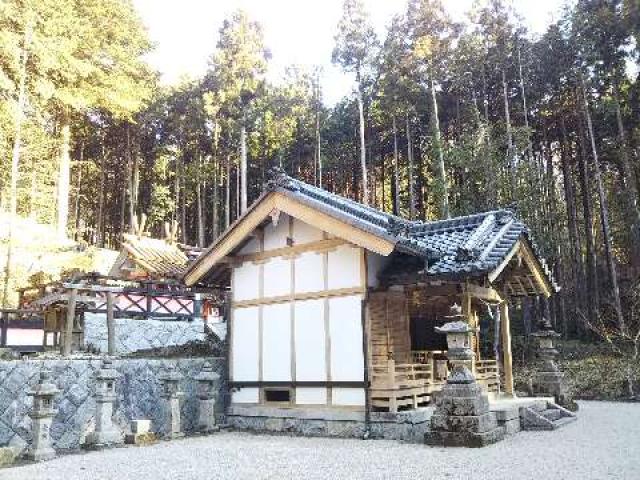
(340, 292)
(329, 224)
(254, 217)
(319, 246)
(483, 293)
(505, 326)
(71, 315)
(498, 270)
(111, 334)
(536, 269)
(233, 237)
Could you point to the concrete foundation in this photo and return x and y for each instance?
(408, 426)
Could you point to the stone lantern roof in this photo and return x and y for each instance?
(44, 388)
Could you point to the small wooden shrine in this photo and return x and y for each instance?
(334, 304)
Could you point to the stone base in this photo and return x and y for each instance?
(408, 426)
(40, 455)
(464, 439)
(140, 439)
(463, 419)
(98, 440)
(553, 384)
(7, 456)
(509, 419)
(207, 416)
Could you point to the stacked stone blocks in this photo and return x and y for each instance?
(137, 396)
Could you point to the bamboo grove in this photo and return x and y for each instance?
(446, 118)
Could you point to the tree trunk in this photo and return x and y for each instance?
(201, 225)
(629, 185)
(243, 166)
(524, 104)
(318, 143)
(78, 190)
(100, 222)
(507, 119)
(396, 171)
(215, 227)
(593, 294)
(412, 203)
(363, 154)
(64, 179)
(183, 212)
(604, 216)
(15, 161)
(575, 254)
(442, 173)
(227, 195)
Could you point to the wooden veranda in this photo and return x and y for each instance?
(408, 359)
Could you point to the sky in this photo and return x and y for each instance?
(296, 32)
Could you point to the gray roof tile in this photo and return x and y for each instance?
(470, 245)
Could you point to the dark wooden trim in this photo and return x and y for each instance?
(294, 384)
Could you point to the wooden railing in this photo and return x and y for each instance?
(400, 385)
(488, 374)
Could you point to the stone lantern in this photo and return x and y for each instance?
(462, 416)
(459, 351)
(207, 393)
(42, 415)
(171, 395)
(106, 433)
(548, 379)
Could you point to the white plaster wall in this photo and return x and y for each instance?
(305, 233)
(277, 277)
(347, 396)
(345, 327)
(245, 347)
(252, 246)
(246, 282)
(344, 267)
(311, 396)
(310, 341)
(276, 236)
(309, 276)
(246, 395)
(375, 264)
(276, 342)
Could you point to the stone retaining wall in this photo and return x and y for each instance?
(132, 335)
(138, 389)
(409, 426)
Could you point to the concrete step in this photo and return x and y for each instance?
(551, 414)
(550, 418)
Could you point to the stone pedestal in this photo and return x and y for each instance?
(206, 390)
(171, 396)
(140, 434)
(42, 415)
(462, 417)
(106, 434)
(548, 380)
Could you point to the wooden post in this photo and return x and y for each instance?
(391, 379)
(71, 314)
(505, 325)
(4, 327)
(467, 311)
(111, 334)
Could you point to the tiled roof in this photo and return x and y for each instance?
(157, 257)
(462, 246)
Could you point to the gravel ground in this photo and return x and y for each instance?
(603, 443)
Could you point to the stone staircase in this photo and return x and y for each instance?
(544, 415)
